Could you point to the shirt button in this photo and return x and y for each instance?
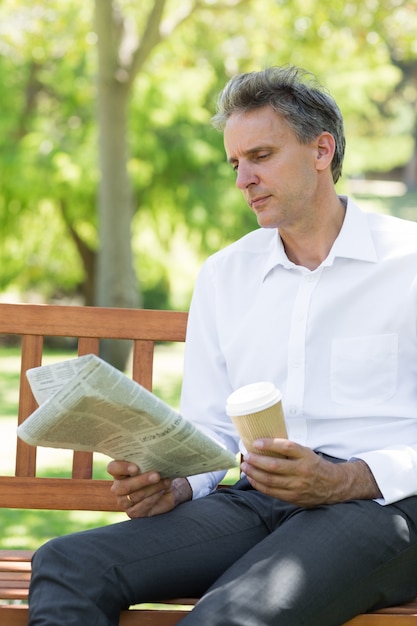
(293, 410)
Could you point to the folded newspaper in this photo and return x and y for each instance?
(87, 404)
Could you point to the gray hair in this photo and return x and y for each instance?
(295, 94)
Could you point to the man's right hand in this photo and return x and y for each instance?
(145, 495)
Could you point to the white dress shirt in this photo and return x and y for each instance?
(340, 342)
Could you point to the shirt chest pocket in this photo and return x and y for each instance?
(364, 369)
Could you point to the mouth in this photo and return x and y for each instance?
(256, 203)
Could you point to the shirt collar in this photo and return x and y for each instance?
(353, 242)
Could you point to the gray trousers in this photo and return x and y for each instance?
(255, 560)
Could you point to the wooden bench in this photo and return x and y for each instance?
(25, 490)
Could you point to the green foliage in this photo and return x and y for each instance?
(47, 149)
(185, 200)
(184, 164)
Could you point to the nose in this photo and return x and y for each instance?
(245, 176)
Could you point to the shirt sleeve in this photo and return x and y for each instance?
(206, 384)
(395, 471)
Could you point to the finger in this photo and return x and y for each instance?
(144, 496)
(281, 447)
(265, 463)
(147, 483)
(159, 502)
(136, 500)
(263, 475)
(121, 469)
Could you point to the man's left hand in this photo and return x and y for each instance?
(304, 478)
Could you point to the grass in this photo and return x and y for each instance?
(9, 380)
(401, 205)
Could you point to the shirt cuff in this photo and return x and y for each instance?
(203, 484)
(395, 471)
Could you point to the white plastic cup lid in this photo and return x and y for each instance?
(252, 398)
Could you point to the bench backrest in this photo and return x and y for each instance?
(88, 325)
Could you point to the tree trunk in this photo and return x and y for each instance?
(116, 283)
(410, 173)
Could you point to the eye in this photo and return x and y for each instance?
(263, 155)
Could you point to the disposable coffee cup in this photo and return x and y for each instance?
(256, 411)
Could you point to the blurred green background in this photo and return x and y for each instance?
(96, 85)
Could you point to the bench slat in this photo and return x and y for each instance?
(63, 494)
(87, 321)
(18, 556)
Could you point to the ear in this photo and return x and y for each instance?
(325, 146)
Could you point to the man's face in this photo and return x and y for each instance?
(275, 172)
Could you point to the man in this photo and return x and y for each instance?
(322, 301)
